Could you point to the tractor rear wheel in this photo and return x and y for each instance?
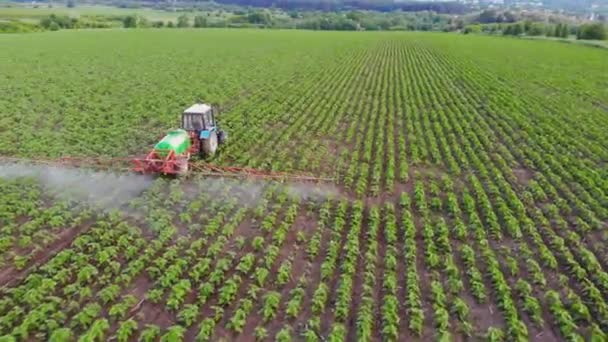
(209, 145)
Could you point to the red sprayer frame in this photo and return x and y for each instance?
(172, 163)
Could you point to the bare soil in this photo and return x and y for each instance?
(299, 267)
(314, 277)
(524, 175)
(155, 314)
(351, 323)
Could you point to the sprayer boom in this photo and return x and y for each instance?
(195, 168)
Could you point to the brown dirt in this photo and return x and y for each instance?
(425, 281)
(523, 175)
(154, 313)
(379, 200)
(140, 286)
(404, 333)
(327, 316)
(304, 223)
(482, 316)
(300, 266)
(206, 310)
(22, 219)
(314, 277)
(378, 292)
(247, 229)
(428, 170)
(404, 187)
(351, 322)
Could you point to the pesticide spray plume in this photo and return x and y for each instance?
(97, 189)
(107, 190)
(249, 192)
(318, 192)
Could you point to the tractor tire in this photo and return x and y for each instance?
(221, 137)
(209, 146)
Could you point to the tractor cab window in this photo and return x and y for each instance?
(208, 120)
(193, 122)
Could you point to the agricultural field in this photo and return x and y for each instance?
(468, 201)
(33, 14)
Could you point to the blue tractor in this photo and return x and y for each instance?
(206, 135)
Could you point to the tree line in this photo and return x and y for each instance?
(588, 31)
(446, 7)
(503, 22)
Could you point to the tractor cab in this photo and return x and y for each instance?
(199, 119)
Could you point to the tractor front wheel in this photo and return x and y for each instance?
(209, 145)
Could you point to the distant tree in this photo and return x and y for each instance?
(565, 32)
(354, 15)
(259, 17)
(594, 31)
(348, 25)
(71, 3)
(200, 21)
(383, 24)
(472, 29)
(514, 29)
(456, 24)
(536, 29)
(518, 29)
(46, 22)
(63, 22)
(170, 24)
(130, 21)
(53, 26)
(493, 28)
(142, 21)
(158, 24)
(558, 30)
(238, 19)
(183, 21)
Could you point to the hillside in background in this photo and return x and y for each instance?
(381, 5)
(575, 4)
(343, 15)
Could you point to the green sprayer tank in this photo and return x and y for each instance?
(177, 141)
